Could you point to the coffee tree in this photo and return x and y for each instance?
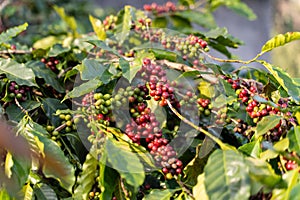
(141, 108)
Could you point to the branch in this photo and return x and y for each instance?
(214, 138)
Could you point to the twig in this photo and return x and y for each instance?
(123, 188)
(185, 189)
(9, 51)
(21, 107)
(214, 138)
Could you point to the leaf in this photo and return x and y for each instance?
(204, 19)
(125, 67)
(266, 124)
(160, 194)
(102, 45)
(12, 70)
(273, 151)
(280, 40)
(108, 180)
(291, 178)
(56, 164)
(4, 195)
(8, 164)
(284, 79)
(43, 191)
(69, 20)
(84, 88)
(28, 192)
(125, 162)
(251, 149)
(199, 189)
(41, 71)
(15, 113)
(136, 65)
(91, 69)
(87, 178)
(126, 24)
(294, 194)
(294, 139)
(98, 27)
(195, 167)
(46, 42)
(12, 32)
(50, 106)
(226, 176)
(58, 49)
(235, 5)
(262, 172)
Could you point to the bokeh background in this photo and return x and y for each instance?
(273, 17)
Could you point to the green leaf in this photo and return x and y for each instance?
(280, 40)
(291, 178)
(284, 79)
(294, 194)
(125, 162)
(199, 191)
(12, 32)
(294, 139)
(251, 149)
(83, 88)
(69, 20)
(125, 67)
(266, 124)
(4, 195)
(87, 178)
(226, 176)
(12, 70)
(125, 25)
(204, 19)
(56, 164)
(8, 164)
(108, 179)
(160, 194)
(46, 42)
(102, 45)
(43, 191)
(91, 69)
(15, 113)
(98, 27)
(57, 49)
(160, 22)
(41, 71)
(195, 167)
(262, 172)
(273, 151)
(235, 5)
(50, 106)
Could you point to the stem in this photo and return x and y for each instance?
(185, 189)
(214, 138)
(21, 107)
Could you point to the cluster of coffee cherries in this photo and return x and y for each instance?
(159, 9)
(243, 128)
(51, 63)
(145, 129)
(290, 164)
(110, 22)
(257, 110)
(160, 87)
(221, 116)
(98, 107)
(19, 92)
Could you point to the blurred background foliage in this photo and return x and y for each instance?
(286, 18)
(43, 21)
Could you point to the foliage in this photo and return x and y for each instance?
(140, 109)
